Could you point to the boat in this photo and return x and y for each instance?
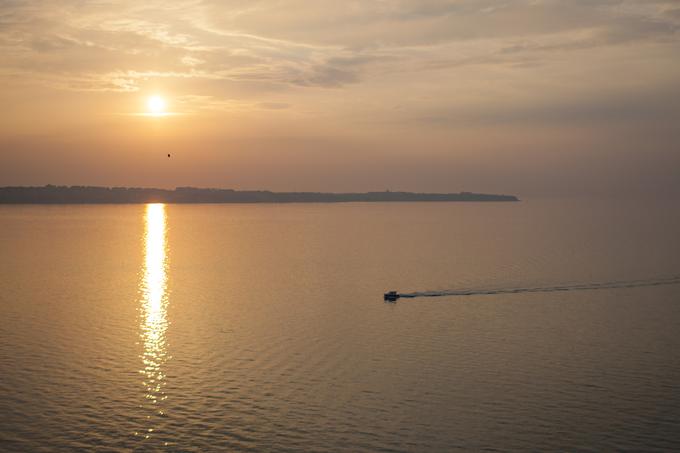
(391, 296)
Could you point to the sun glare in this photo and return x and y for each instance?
(156, 105)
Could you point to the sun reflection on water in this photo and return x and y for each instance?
(154, 301)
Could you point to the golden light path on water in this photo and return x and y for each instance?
(154, 301)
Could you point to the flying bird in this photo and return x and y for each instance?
(168, 155)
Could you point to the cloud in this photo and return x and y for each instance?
(326, 76)
(638, 108)
(323, 44)
(441, 61)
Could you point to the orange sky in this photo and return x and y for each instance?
(530, 97)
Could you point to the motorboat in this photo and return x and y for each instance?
(391, 296)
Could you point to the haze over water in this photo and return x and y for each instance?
(262, 327)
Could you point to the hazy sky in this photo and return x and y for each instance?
(529, 97)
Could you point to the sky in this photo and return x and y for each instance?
(536, 98)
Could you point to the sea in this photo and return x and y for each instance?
(262, 327)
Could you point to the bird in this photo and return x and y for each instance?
(168, 155)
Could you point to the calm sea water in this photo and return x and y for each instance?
(262, 327)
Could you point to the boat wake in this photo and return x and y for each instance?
(675, 280)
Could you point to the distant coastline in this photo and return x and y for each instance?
(111, 195)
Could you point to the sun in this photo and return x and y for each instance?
(156, 105)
